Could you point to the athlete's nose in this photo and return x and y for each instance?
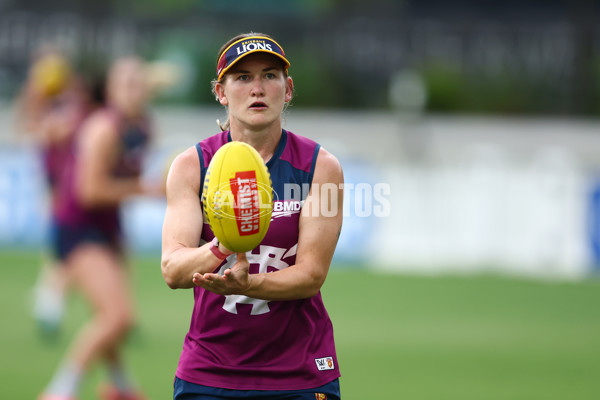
(257, 88)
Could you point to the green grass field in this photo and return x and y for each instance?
(398, 337)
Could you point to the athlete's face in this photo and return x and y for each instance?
(255, 91)
(128, 87)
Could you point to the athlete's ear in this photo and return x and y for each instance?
(289, 89)
(220, 91)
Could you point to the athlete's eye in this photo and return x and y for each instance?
(243, 77)
(270, 75)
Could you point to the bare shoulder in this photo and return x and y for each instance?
(185, 171)
(99, 127)
(186, 161)
(327, 168)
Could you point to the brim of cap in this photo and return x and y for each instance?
(227, 68)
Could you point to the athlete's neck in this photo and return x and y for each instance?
(265, 141)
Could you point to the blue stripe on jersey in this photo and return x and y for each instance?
(314, 163)
(283, 173)
(278, 150)
(202, 168)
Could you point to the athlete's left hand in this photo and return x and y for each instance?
(235, 280)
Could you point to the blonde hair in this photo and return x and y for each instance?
(225, 126)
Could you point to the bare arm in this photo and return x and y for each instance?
(182, 226)
(30, 107)
(319, 229)
(97, 149)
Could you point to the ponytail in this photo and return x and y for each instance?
(225, 126)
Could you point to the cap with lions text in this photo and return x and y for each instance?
(248, 45)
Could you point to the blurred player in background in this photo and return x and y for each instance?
(47, 78)
(104, 171)
(259, 328)
(52, 105)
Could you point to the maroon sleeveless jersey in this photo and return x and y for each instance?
(237, 342)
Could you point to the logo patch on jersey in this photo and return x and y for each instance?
(321, 396)
(324, 364)
(286, 208)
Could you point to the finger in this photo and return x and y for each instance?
(204, 278)
(241, 257)
(198, 279)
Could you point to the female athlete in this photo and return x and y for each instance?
(52, 104)
(104, 171)
(259, 328)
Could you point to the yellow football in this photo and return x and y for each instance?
(238, 196)
(50, 74)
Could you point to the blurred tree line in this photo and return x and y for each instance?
(486, 56)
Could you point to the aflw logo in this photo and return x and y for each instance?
(325, 363)
(245, 194)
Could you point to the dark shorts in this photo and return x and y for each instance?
(185, 390)
(68, 238)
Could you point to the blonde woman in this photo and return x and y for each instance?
(104, 171)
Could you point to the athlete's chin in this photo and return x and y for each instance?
(260, 121)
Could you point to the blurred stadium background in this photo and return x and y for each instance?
(470, 140)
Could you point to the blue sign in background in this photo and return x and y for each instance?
(357, 230)
(24, 208)
(594, 223)
(23, 199)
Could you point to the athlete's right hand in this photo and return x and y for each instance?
(235, 280)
